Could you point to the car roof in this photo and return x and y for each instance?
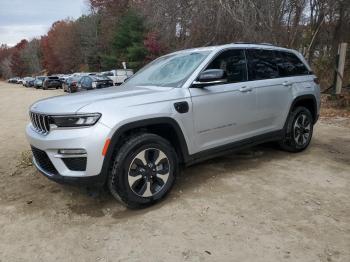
(98, 77)
(235, 45)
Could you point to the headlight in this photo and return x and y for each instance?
(75, 120)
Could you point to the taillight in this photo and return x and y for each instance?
(317, 82)
(74, 83)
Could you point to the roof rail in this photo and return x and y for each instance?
(252, 43)
(266, 44)
(241, 43)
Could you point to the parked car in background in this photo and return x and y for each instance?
(63, 78)
(119, 76)
(52, 82)
(70, 85)
(38, 82)
(94, 82)
(81, 74)
(20, 81)
(13, 80)
(28, 81)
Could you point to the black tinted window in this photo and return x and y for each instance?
(233, 63)
(290, 65)
(261, 64)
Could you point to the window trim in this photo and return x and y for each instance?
(244, 49)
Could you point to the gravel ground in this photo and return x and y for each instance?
(259, 205)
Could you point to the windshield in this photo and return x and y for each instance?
(170, 70)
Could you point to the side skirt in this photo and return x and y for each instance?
(233, 147)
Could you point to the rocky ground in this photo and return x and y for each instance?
(259, 205)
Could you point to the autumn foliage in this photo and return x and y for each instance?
(137, 31)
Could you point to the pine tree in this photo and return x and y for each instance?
(128, 41)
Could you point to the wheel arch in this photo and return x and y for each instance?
(308, 101)
(165, 127)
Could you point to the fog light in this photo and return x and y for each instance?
(72, 151)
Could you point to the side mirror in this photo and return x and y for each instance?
(210, 77)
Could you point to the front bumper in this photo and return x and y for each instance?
(97, 180)
(91, 139)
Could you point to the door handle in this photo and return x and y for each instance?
(287, 83)
(244, 89)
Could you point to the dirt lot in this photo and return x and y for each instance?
(259, 205)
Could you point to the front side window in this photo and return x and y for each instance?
(261, 64)
(170, 70)
(233, 63)
(290, 65)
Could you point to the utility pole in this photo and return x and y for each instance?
(340, 68)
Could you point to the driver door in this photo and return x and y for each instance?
(224, 113)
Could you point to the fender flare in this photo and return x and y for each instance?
(296, 100)
(140, 124)
(306, 97)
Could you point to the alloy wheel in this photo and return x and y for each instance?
(148, 172)
(301, 130)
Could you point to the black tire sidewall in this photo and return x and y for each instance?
(118, 178)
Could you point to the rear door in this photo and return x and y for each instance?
(273, 93)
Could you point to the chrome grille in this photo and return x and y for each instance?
(40, 122)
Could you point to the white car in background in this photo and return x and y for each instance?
(118, 76)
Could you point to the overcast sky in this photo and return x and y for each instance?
(26, 19)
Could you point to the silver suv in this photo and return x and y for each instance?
(180, 109)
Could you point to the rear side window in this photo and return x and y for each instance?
(261, 64)
(290, 65)
(233, 63)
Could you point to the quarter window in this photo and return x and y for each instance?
(261, 64)
(290, 65)
(233, 63)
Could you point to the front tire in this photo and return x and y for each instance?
(143, 170)
(298, 131)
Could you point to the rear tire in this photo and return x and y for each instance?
(143, 171)
(298, 131)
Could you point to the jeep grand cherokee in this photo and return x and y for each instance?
(181, 108)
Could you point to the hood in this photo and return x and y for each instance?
(69, 104)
